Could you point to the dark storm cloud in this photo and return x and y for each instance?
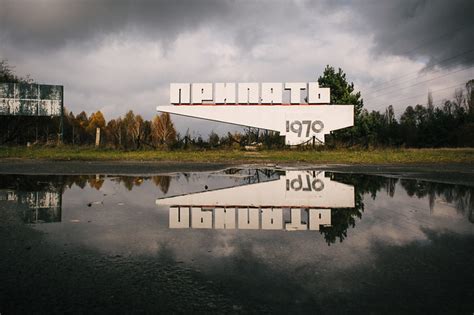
(436, 29)
(50, 24)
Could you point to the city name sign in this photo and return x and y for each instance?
(306, 117)
(247, 93)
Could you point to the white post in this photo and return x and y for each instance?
(97, 137)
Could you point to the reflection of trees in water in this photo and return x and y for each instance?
(55, 182)
(62, 182)
(261, 175)
(163, 182)
(96, 183)
(130, 181)
(45, 182)
(461, 196)
(255, 175)
(31, 183)
(232, 171)
(79, 181)
(343, 218)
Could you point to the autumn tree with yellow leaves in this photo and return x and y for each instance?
(163, 131)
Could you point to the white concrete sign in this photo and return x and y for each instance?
(275, 204)
(304, 117)
(247, 93)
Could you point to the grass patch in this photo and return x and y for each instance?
(349, 156)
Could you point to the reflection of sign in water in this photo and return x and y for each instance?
(261, 106)
(298, 200)
(31, 99)
(249, 218)
(306, 183)
(36, 206)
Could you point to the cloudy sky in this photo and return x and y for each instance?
(116, 55)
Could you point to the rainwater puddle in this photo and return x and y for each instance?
(238, 240)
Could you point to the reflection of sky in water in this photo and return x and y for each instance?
(121, 215)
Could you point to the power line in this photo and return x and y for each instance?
(417, 72)
(414, 96)
(421, 82)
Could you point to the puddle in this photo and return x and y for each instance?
(260, 239)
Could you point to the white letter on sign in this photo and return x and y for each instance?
(201, 218)
(317, 95)
(248, 219)
(248, 93)
(295, 91)
(201, 92)
(180, 93)
(271, 93)
(296, 223)
(179, 217)
(272, 219)
(224, 218)
(224, 93)
(319, 217)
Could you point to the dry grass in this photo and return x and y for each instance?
(356, 156)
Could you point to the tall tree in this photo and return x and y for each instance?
(459, 98)
(430, 99)
(342, 92)
(114, 132)
(430, 105)
(96, 120)
(214, 139)
(82, 122)
(470, 96)
(6, 73)
(138, 131)
(129, 126)
(390, 115)
(163, 131)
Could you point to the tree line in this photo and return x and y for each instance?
(421, 125)
(128, 132)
